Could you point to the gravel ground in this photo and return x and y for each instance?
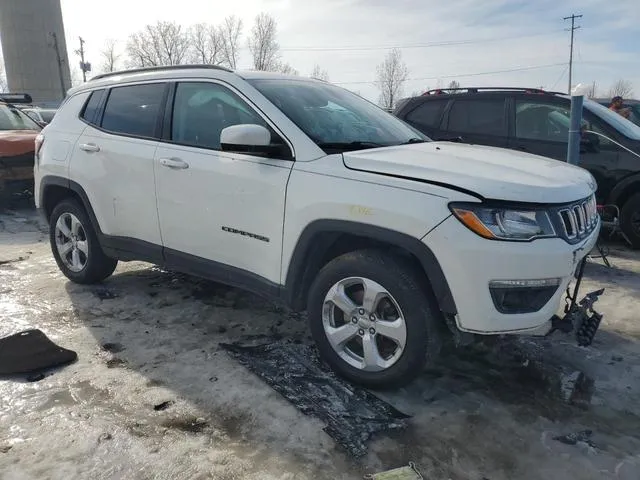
(149, 338)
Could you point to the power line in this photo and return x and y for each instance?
(573, 29)
(560, 77)
(461, 75)
(414, 45)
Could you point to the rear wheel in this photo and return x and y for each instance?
(373, 319)
(75, 245)
(630, 222)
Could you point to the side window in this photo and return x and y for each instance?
(428, 114)
(483, 117)
(202, 110)
(542, 121)
(91, 107)
(133, 110)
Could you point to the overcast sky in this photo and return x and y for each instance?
(350, 37)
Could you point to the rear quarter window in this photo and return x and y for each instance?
(133, 110)
(90, 108)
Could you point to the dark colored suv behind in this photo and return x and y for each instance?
(537, 122)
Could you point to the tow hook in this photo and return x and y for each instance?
(579, 316)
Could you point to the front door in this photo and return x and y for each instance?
(221, 213)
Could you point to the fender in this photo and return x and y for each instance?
(620, 188)
(306, 255)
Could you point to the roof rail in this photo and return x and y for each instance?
(442, 91)
(15, 98)
(158, 69)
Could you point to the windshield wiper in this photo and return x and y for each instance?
(349, 145)
(413, 140)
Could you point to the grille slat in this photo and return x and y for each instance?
(579, 220)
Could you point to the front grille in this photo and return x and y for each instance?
(580, 219)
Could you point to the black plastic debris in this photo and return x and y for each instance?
(163, 405)
(105, 294)
(351, 414)
(31, 351)
(583, 436)
(112, 347)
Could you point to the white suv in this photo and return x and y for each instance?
(305, 192)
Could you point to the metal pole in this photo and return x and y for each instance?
(82, 65)
(573, 150)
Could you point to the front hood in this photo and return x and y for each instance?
(492, 173)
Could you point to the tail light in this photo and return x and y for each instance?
(39, 142)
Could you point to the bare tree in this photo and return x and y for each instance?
(391, 75)
(206, 44)
(453, 84)
(165, 43)
(263, 45)
(592, 91)
(622, 88)
(319, 73)
(286, 69)
(229, 34)
(110, 56)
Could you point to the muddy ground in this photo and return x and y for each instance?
(147, 337)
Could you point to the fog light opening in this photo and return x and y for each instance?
(522, 296)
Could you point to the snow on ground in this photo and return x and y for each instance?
(488, 412)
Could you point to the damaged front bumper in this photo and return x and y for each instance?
(579, 316)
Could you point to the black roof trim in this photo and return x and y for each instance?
(159, 69)
(444, 91)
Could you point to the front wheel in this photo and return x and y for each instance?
(373, 319)
(630, 222)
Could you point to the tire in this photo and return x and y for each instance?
(407, 292)
(630, 222)
(93, 265)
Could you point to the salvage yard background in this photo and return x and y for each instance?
(153, 395)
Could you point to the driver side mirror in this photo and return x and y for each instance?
(252, 139)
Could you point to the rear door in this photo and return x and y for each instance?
(113, 161)
(480, 121)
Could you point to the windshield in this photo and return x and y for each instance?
(13, 119)
(334, 118)
(621, 124)
(47, 115)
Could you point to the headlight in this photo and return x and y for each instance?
(504, 223)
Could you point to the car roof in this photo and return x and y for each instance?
(177, 71)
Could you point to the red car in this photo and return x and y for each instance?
(17, 143)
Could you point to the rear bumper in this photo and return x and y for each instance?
(470, 263)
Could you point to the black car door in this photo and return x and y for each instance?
(480, 121)
(541, 127)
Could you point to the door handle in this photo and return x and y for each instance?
(89, 147)
(523, 148)
(174, 163)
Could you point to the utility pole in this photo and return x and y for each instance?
(573, 28)
(83, 65)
